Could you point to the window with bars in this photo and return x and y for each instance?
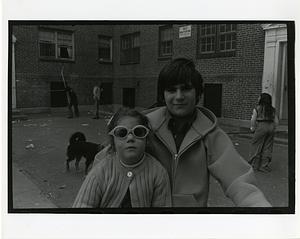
(216, 40)
(130, 48)
(165, 41)
(56, 45)
(104, 48)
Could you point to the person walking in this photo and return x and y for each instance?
(72, 103)
(97, 91)
(263, 124)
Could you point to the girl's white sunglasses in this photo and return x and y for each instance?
(121, 132)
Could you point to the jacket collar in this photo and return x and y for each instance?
(203, 124)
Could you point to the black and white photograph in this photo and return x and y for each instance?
(151, 117)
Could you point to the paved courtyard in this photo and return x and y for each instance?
(39, 153)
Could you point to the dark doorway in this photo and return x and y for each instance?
(57, 94)
(107, 94)
(213, 98)
(129, 97)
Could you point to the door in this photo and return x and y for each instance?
(58, 95)
(107, 94)
(129, 97)
(213, 98)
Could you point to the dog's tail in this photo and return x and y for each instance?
(76, 137)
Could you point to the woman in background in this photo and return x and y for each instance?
(263, 124)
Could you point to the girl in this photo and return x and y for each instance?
(126, 176)
(263, 124)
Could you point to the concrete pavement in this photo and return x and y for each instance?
(26, 194)
(43, 181)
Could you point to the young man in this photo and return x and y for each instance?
(97, 91)
(72, 102)
(190, 145)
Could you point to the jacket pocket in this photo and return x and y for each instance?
(184, 200)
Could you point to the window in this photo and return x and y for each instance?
(104, 49)
(56, 44)
(130, 48)
(217, 40)
(165, 41)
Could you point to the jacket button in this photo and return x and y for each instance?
(129, 174)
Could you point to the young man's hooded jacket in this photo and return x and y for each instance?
(205, 150)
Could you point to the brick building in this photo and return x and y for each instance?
(237, 62)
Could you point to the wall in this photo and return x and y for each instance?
(240, 75)
(142, 76)
(34, 75)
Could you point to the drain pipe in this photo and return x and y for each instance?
(13, 75)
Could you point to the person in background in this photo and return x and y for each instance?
(126, 176)
(187, 141)
(263, 123)
(72, 102)
(97, 91)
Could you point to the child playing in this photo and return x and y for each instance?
(263, 124)
(126, 176)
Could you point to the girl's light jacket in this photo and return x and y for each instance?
(107, 183)
(205, 150)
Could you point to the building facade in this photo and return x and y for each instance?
(46, 56)
(235, 61)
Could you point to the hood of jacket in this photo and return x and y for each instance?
(206, 120)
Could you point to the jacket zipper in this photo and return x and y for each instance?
(176, 156)
(176, 159)
(174, 170)
(172, 153)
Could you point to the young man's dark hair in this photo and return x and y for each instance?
(179, 71)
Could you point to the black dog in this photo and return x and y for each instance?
(78, 148)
